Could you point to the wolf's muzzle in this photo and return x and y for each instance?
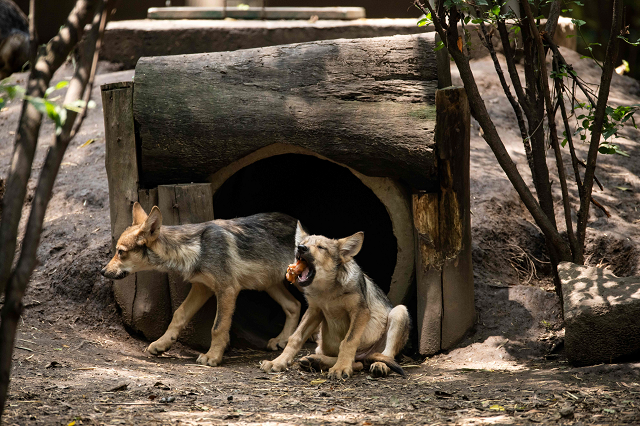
(120, 275)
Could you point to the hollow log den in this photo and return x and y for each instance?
(346, 135)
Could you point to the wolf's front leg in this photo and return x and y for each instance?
(220, 332)
(291, 308)
(343, 367)
(310, 322)
(197, 297)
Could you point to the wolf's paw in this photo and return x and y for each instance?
(311, 363)
(276, 343)
(379, 369)
(338, 372)
(273, 366)
(207, 359)
(158, 347)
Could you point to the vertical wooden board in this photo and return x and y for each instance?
(122, 176)
(452, 145)
(152, 303)
(428, 273)
(181, 205)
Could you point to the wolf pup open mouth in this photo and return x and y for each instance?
(302, 271)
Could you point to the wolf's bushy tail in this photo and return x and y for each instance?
(390, 362)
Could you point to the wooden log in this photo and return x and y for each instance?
(364, 103)
(152, 302)
(181, 205)
(122, 177)
(452, 146)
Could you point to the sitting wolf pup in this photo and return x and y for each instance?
(219, 257)
(356, 319)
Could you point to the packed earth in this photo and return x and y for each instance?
(74, 362)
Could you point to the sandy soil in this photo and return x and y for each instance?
(76, 362)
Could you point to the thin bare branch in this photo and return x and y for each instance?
(486, 37)
(599, 115)
(55, 54)
(551, 120)
(492, 138)
(552, 19)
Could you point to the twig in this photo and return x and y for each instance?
(24, 349)
(583, 164)
(600, 206)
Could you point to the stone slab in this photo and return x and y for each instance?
(256, 13)
(601, 314)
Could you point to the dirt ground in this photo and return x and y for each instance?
(75, 362)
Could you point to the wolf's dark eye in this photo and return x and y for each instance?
(322, 247)
(120, 252)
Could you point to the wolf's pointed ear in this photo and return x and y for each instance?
(139, 216)
(350, 246)
(150, 229)
(300, 234)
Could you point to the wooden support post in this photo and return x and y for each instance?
(181, 205)
(152, 302)
(442, 223)
(122, 176)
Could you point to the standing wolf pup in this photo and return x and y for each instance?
(356, 319)
(219, 257)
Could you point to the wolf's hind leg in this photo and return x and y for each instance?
(220, 332)
(398, 326)
(291, 308)
(197, 297)
(319, 362)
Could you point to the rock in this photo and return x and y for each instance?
(601, 314)
(567, 411)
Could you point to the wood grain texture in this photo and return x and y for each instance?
(152, 302)
(365, 103)
(428, 274)
(181, 205)
(122, 177)
(453, 142)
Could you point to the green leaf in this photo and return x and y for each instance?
(495, 10)
(516, 29)
(564, 142)
(439, 46)
(621, 188)
(579, 3)
(425, 21)
(482, 2)
(571, 35)
(578, 22)
(60, 85)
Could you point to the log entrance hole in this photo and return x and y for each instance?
(327, 198)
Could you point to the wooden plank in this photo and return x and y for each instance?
(376, 94)
(305, 13)
(181, 205)
(122, 176)
(152, 302)
(452, 143)
(428, 272)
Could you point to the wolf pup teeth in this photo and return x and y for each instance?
(358, 324)
(219, 257)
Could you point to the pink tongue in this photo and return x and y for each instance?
(305, 274)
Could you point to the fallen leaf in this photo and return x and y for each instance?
(496, 407)
(73, 423)
(161, 385)
(623, 188)
(317, 381)
(88, 142)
